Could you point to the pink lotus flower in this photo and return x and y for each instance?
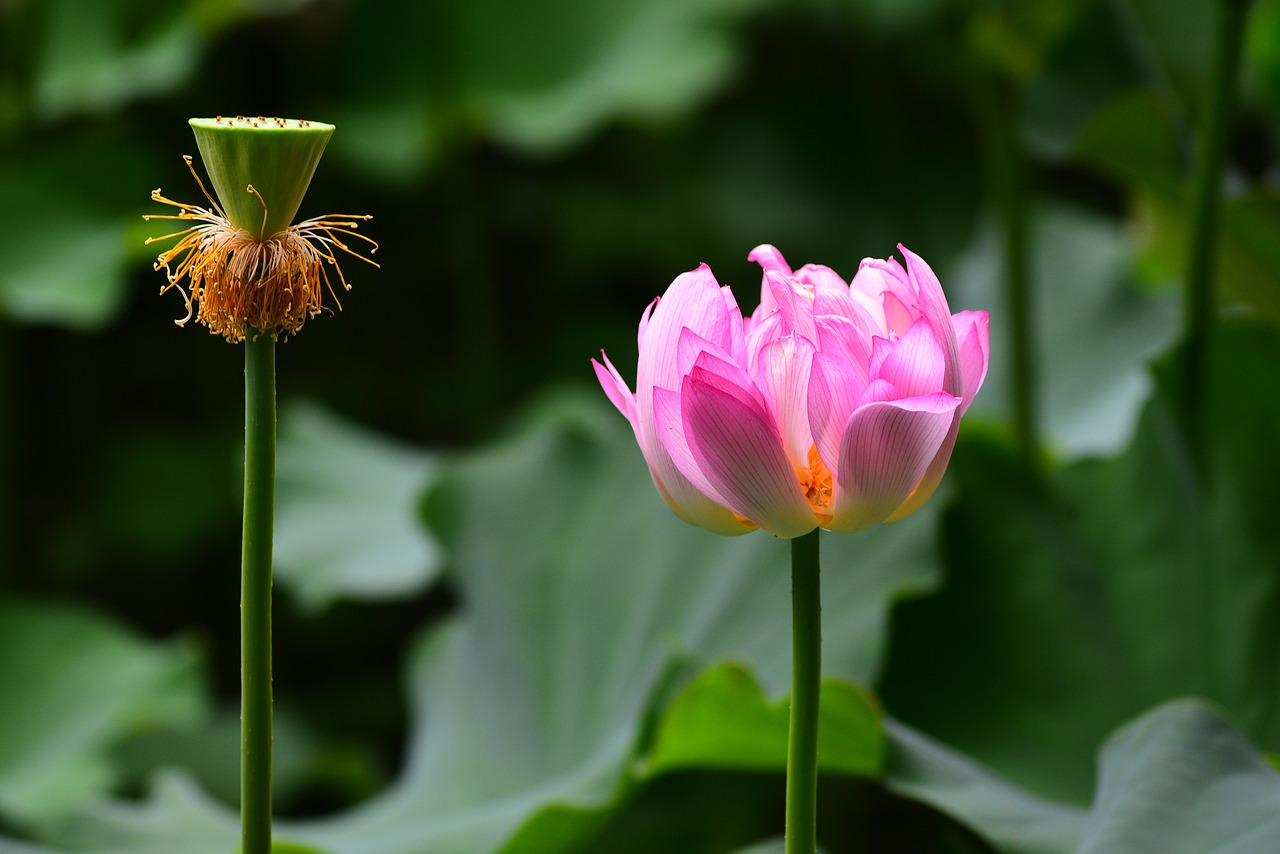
(833, 405)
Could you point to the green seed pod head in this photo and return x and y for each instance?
(274, 157)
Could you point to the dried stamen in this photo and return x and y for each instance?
(241, 283)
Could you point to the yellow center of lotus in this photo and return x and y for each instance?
(816, 482)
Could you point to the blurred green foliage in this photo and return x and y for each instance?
(491, 635)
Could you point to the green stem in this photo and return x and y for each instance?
(997, 104)
(255, 594)
(1200, 305)
(806, 676)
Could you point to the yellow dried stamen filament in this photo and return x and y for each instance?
(240, 282)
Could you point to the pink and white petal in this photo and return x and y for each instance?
(914, 363)
(821, 276)
(761, 334)
(677, 477)
(644, 322)
(835, 385)
(690, 345)
(885, 453)
(739, 450)
(794, 304)
(729, 379)
(769, 258)
(973, 336)
(932, 303)
(670, 423)
(782, 376)
(842, 338)
(876, 277)
(898, 316)
(694, 301)
(838, 302)
(880, 350)
(878, 391)
(932, 477)
(736, 342)
(616, 388)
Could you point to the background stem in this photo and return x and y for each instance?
(1200, 306)
(806, 676)
(255, 594)
(996, 100)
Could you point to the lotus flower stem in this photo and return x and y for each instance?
(997, 102)
(1200, 305)
(806, 674)
(255, 593)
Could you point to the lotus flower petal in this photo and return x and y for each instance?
(885, 452)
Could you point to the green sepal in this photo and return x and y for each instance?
(276, 156)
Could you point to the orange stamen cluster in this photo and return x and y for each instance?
(816, 482)
(240, 283)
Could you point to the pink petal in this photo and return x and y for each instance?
(769, 258)
(670, 423)
(795, 307)
(973, 335)
(735, 341)
(838, 302)
(898, 317)
(932, 304)
(914, 363)
(616, 388)
(879, 390)
(886, 451)
(835, 385)
(821, 277)
(690, 345)
(738, 449)
(782, 375)
(729, 379)
(644, 322)
(761, 334)
(932, 477)
(844, 339)
(694, 301)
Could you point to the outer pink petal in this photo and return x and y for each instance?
(694, 300)
(616, 388)
(688, 492)
(932, 477)
(835, 385)
(735, 341)
(874, 279)
(932, 303)
(973, 334)
(887, 448)
(914, 363)
(762, 333)
(898, 316)
(782, 375)
(796, 308)
(838, 302)
(842, 338)
(739, 450)
(821, 277)
(690, 345)
(769, 258)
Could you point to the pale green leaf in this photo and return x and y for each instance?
(84, 683)
(346, 512)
